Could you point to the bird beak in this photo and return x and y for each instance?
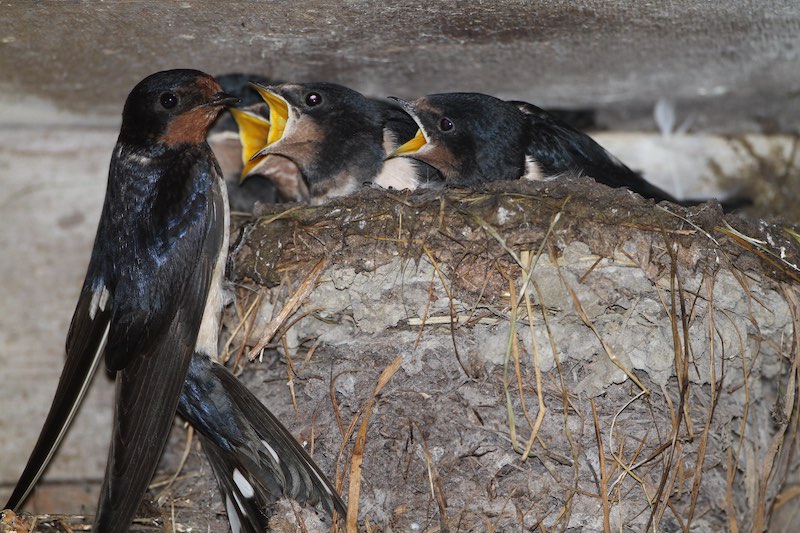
(253, 134)
(407, 106)
(278, 114)
(411, 146)
(223, 99)
(420, 146)
(419, 140)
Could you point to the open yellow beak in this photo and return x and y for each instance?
(409, 147)
(278, 113)
(253, 134)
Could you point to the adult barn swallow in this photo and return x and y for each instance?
(151, 301)
(336, 138)
(159, 245)
(473, 138)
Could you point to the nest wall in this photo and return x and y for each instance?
(556, 357)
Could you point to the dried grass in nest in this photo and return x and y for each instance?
(662, 456)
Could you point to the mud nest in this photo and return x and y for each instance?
(557, 356)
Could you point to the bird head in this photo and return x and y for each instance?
(469, 138)
(321, 128)
(172, 108)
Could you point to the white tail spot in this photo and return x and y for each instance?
(271, 451)
(233, 517)
(239, 504)
(244, 486)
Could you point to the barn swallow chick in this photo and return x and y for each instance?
(253, 133)
(224, 140)
(277, 171)
(337, 139)
(150, 307)
(473, 138)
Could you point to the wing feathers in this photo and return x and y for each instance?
(558, 148)
(147, 396)
(85, 343)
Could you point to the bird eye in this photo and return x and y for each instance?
(168, 100)
(313, 99)
(446, 124)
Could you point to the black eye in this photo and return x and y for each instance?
(168, 100)
(313, 99)
(446, 124)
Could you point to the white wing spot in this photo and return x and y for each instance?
(104, 299)
(244, 486)
(99, 301)
(271, 451)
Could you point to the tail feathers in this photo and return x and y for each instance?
(254, 457)
(244, 497)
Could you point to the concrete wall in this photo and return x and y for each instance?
(734, 64)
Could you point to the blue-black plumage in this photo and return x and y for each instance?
(150, 305)
(473, 138)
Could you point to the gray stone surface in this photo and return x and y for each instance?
(734, 65)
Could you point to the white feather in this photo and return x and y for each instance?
(532, 170)
(239, 504)
(244, 486)
(99, 301)
(271, 451)
(233, 517)
(399, 173)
